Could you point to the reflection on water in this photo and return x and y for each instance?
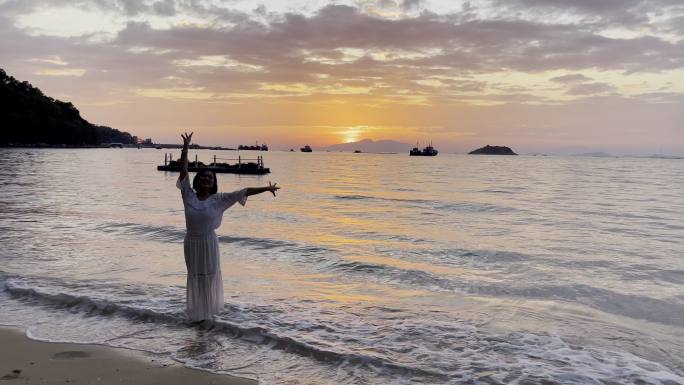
(377, 268)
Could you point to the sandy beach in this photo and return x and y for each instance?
(24, 361)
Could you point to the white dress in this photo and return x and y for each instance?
(202, 258)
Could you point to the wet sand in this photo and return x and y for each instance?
(24, 361)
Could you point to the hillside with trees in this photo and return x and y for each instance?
(31, 117)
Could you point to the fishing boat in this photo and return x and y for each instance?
(306, 148)
(242, 166)
(427, 151)
(256, 147)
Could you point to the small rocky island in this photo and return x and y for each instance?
(493, 150)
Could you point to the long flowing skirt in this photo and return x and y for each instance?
(205, 285)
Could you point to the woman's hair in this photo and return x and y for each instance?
(196, 181)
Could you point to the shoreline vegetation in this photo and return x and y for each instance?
(36, 362)
(112, 145)
(30, 117)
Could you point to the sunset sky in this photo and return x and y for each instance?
(555, 76)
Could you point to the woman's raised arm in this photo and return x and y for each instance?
(184, 155)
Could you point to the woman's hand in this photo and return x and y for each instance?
(186, 139)
(184, 155)
(272, 188)
(258, 190)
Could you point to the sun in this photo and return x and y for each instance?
(351, 137)
(351, 134)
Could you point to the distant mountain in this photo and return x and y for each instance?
(662, 156)
(31, 117)
(597, 154)
(369, 145)
(567, 150)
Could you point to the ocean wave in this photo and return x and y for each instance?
(477, 257)
(510, 190)
(158, 233)
(441, 352)
(432, 204)
(175, 234)
(460, 355)
(473, 207)
(632, 306)
(89, 306)
(640, 307)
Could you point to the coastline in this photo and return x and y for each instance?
(108, 146)
(36, 362)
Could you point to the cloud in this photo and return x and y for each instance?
(165, 7)
(662, 97)
(132, 7)
(474, 45)
(343, 50)
(676, 24)
(603, 6)
(598, 13)
(411, 4)
(591, 89)
(570, 78)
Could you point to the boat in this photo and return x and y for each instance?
(243, 166)
(256, 147)
(427, 151)
(306, 148)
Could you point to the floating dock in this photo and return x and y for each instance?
(241, 166)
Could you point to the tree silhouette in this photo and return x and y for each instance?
(30, 117)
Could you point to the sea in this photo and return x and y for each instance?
(365, 269)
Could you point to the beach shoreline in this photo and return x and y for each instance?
(36, 362)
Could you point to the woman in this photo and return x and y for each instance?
(204, 209)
